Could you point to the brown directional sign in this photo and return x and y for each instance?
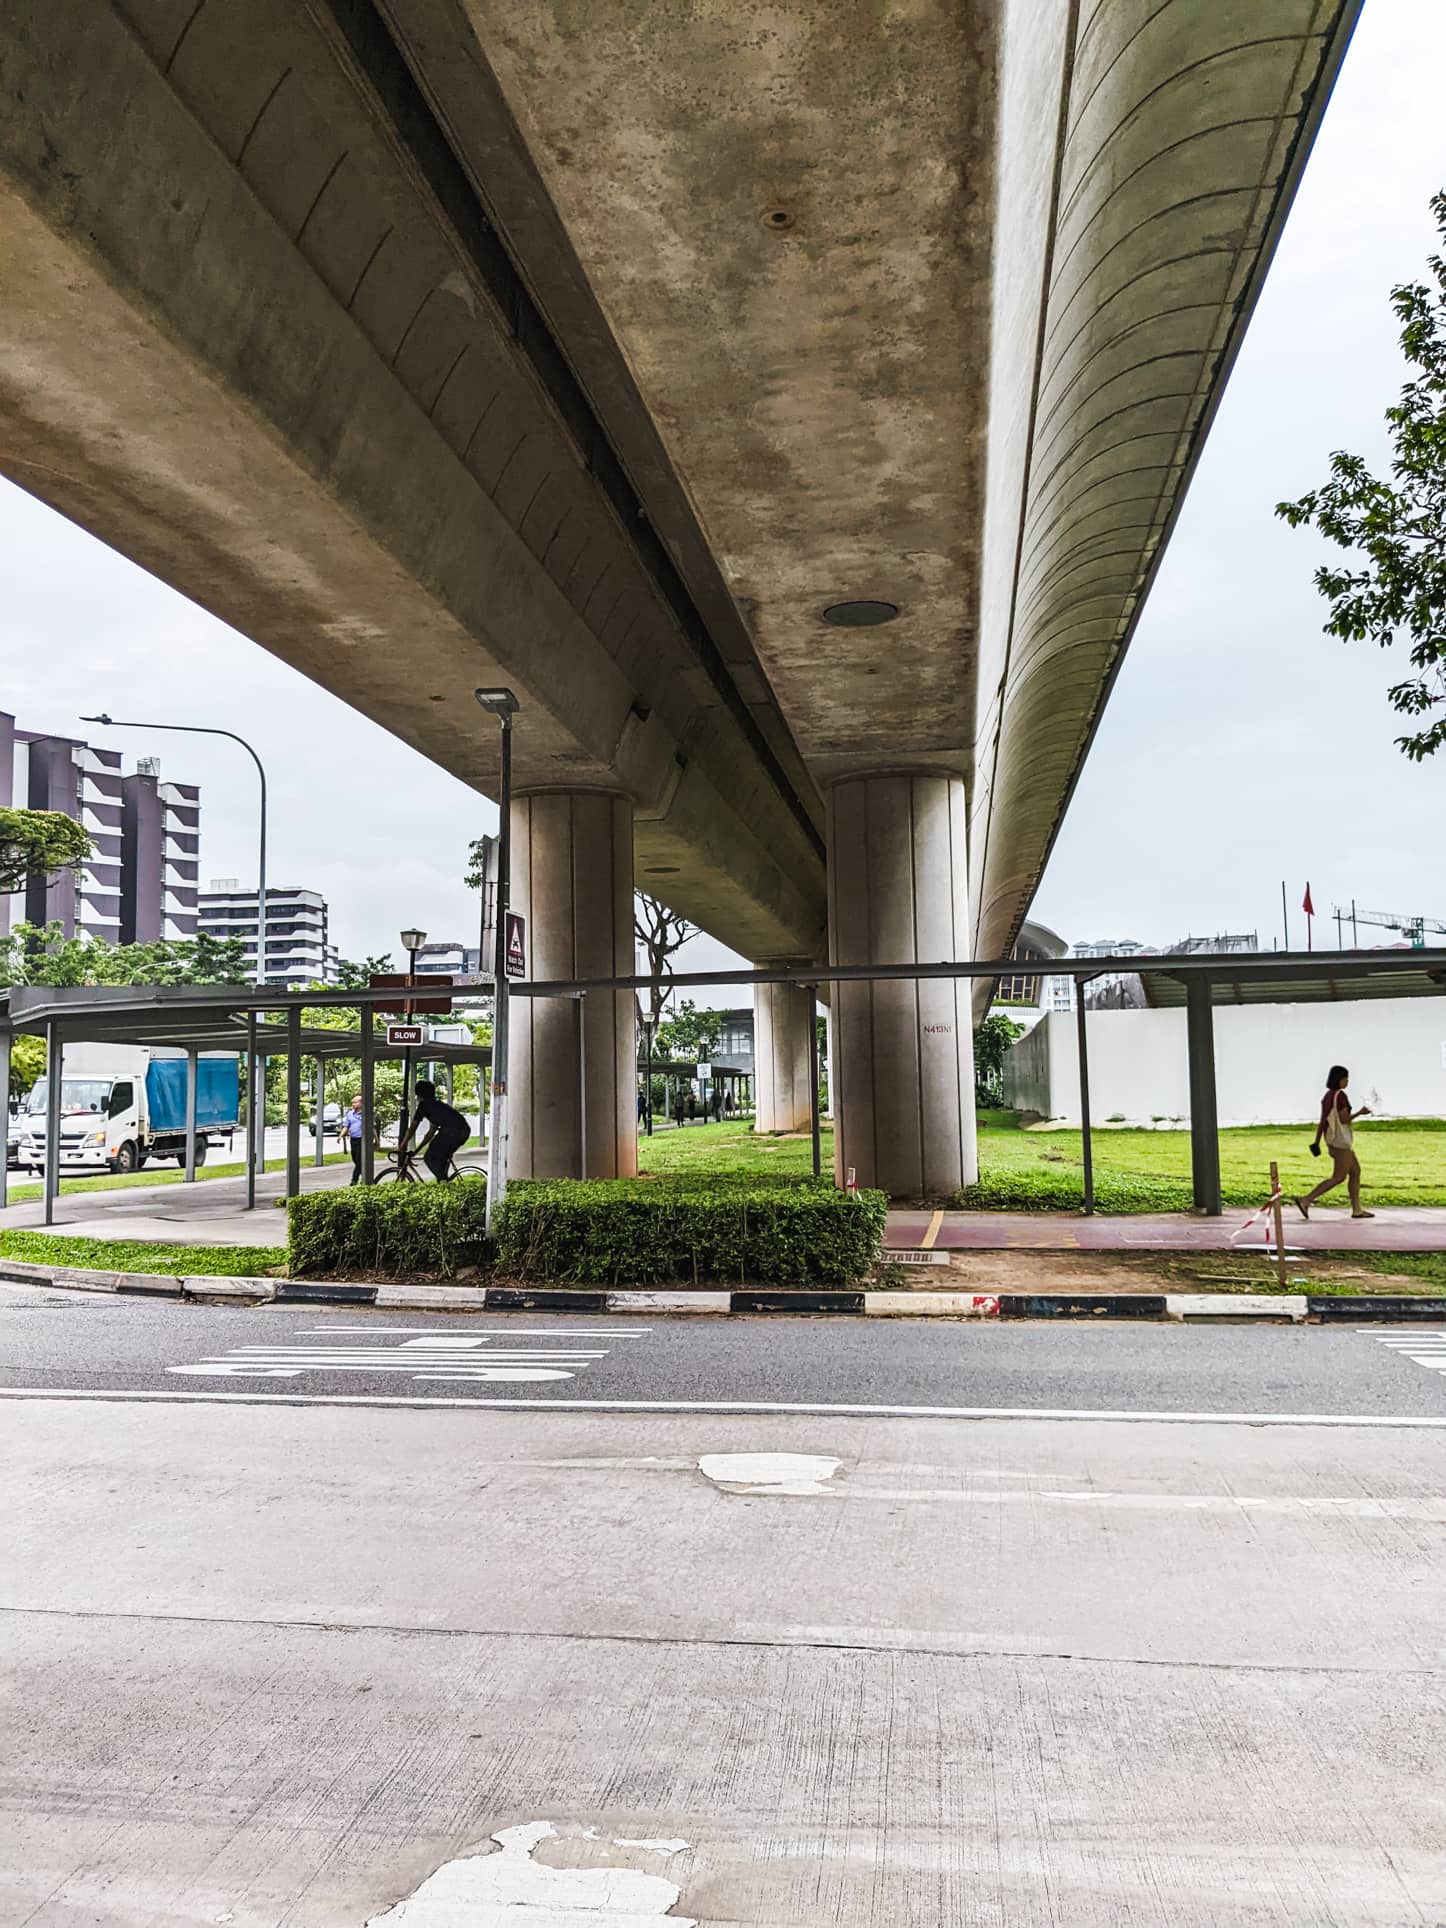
(516, 945)
(415, 1006)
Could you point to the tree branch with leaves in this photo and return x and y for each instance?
(1397, 528)
(37, 843)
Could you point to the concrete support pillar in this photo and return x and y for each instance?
(573, 1074)
(898, 893)
(782, 1014)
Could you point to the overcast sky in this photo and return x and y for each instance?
(1241, 746)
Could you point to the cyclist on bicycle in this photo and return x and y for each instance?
(449, 1130)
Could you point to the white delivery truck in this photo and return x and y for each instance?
(121, 1104)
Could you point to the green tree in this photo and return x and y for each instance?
(41, 954)
(27, 1062)
(1398, 528)
(991, 1040)
(35, 843)
(354, 974)
(690, 1033)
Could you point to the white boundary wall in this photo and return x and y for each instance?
(1270, 1061)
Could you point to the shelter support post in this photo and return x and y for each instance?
(193, 1072)
(7, 1038)
(54, 1072)
(368, 1096)
(571, 877)
(293, 1100)
(319, 1150)
(813, 1119)
(254, 1098)
(782, 1055)
(1204, 1117)
(1086, 1141)
(898, 893)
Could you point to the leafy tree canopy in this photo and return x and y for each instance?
(1397, 528)
(33, 843)
(689, 1033)
(40, 954)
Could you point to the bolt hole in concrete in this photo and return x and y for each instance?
(510, 1888)
(795, 1475)
(777, 218)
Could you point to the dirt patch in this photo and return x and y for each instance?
(1035, 1271)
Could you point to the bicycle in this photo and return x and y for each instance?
(409, 1168)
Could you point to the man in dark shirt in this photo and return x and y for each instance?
(449, 1129)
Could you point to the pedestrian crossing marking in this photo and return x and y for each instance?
(1422, 1345)
(423, 1355)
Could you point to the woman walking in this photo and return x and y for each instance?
(1334, 1126)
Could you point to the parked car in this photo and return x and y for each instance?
(330, 1119)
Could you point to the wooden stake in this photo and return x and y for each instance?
(1277, 1214)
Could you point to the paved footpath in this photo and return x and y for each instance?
(323, 1664)
(1393, 1229)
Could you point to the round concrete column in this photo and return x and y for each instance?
(572, 878)
(782, 1014)
(898, 893)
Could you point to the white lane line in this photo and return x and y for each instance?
(1373, 1421)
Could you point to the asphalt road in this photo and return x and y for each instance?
(100, 1345)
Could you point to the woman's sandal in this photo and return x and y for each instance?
(1301, 1206)
(1363, 1215)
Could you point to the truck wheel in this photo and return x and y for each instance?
(125, 1159)
(200, 1154)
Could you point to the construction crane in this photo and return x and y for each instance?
(1413, 929)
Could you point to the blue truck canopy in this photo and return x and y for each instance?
(218, 1093)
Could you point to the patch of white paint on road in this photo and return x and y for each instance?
(510, 1889)
(797, 1475)
(653, 1847)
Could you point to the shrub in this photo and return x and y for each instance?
(768, 1230)
(388, 1228)
(690, 1229)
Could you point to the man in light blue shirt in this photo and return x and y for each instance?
(353, 1129)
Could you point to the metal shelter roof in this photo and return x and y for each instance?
(1316, 978)
(207, 1017)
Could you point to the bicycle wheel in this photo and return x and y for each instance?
(404, 1172)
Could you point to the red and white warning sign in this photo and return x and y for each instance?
(516, 944)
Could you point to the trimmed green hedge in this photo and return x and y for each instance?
(693, 1230)
(690, 1229)
(388, 1228)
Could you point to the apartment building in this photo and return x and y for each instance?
(298, 945)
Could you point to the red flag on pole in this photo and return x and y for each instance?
(1309, 908)
(1306, 905)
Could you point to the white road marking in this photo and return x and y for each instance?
(485, 1358)
(798, 1475)
(496, 1332)
(1371, 1421)
(1422, 1345)
(653, 1847)
(494, 1890)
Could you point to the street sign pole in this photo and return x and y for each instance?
(497, 1148)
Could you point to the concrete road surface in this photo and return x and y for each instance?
(463, 1666)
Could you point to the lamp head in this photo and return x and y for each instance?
(497, 702)
(95, 719)
(413, 940)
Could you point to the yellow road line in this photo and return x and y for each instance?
(926, 1243)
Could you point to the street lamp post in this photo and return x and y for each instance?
(411, 941)
(502, 704)
(206, 729)
(257, 1100)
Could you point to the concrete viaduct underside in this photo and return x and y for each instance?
(597, 348)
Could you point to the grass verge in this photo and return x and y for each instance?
(138, 1255)
(22, 1191)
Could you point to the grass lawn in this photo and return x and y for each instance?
(135, 1255)
(1403, 1163)
(21, 1190)
(730, 1148)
